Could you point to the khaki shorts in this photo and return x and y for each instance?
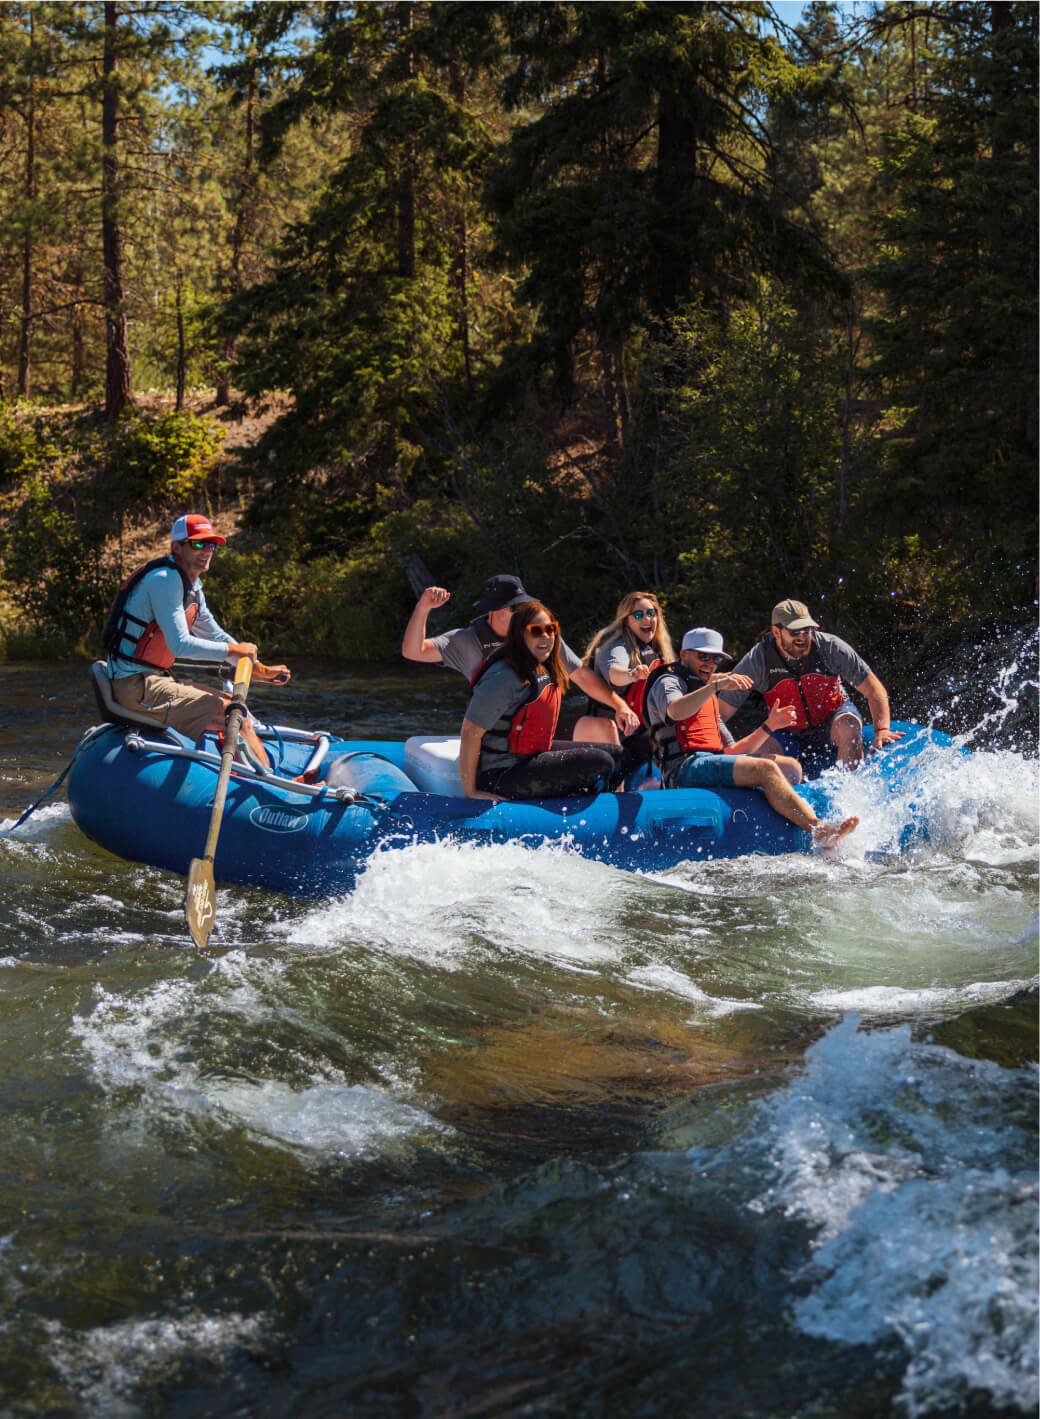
(186, 708)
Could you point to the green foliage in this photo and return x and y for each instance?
(54, 569)
(346, 607)
(162, 458)
(957, 337)
(25, 451)
(735, 481)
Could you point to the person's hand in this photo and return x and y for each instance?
(433, 597)
(781, 717)
(273, 674)
(238, 650)
(731, 682)
(886, 736)
(627, 720)
(639, 672)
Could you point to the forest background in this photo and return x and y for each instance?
(672, 296)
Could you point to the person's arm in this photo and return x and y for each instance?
(750, 667)
(166, 598)
(691, 702)
(593, 685)
(415, 644)
(779, 717)
(876, 697)
(470, 740)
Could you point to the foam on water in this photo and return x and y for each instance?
(138, 1044)
(108, 1366)
(979, 806)
(439, 902)
(916, 1170)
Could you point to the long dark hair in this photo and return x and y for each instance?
(518, 655)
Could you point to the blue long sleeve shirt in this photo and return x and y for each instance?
(159, 597)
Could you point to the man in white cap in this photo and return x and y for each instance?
(798, 665)
(467, 647)
(694, 749)
(160, 615)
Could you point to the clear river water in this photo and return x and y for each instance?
(508, 1132)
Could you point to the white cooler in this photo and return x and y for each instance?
(432, 763)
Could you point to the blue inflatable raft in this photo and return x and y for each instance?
(146, 796)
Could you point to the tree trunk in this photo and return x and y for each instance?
(673, 183)
(459, 275)
(118, 386)
(406, 185)
(238, 238)
(182, 359)
(25, 341)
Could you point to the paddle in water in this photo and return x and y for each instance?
(200, 902)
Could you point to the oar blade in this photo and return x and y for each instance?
(200, 901)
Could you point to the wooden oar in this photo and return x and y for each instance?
(200, 902)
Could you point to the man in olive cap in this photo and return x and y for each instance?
(797, 665)
(467, 647)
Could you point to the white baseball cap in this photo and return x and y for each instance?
(704, 639)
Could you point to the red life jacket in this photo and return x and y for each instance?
(130, 638)
(815, 694)
(634, 695)
(698, 733)
(530, 728)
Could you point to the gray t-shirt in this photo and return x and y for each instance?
(662, 692)
(461, 650)
(614, 655)
(838, 659)
(500, 691)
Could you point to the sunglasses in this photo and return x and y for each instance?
(638, 615)
(797, 635)
(198, 546)
(708, 655)
(537, 629)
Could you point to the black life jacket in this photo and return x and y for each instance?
(489, 642)
(806, 685)
(531, 726)
(130, 638)
(672, 739)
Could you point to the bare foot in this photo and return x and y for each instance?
(825, 835)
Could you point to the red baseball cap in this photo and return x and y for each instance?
(194, 527)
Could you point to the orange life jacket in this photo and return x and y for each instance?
(700, 732)
(143, 642)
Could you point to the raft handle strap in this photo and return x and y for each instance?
(87, 736)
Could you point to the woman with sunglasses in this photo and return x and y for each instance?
(507, 746)
(623, 654)
(694, 749)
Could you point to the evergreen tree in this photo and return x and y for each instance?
(957, 338)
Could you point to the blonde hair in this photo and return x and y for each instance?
(662, 641)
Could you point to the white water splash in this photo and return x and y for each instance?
(917, 1168)
(145, 1044)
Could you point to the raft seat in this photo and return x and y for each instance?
(112, 712)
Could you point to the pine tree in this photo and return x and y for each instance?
(957, 268)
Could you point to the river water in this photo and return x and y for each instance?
(508, 1132)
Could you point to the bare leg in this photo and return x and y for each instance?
(847, 738)
(751, 772)
(591, 729)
